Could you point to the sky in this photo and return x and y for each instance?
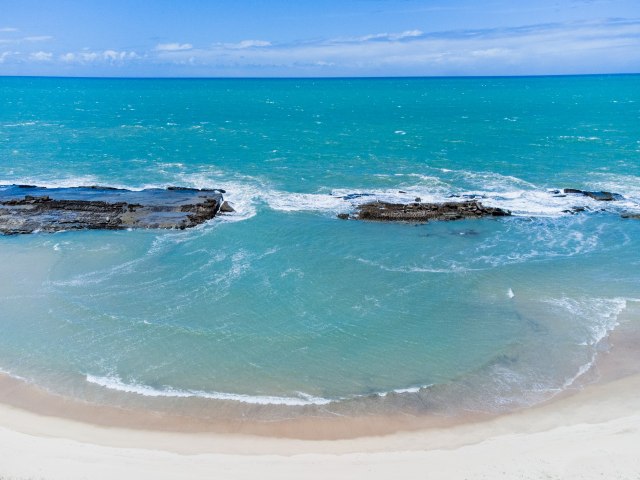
(280, 38)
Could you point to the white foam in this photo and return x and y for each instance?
(60, 182)
(401, 391)
(12, 375)
(115, 383)
(295, 202)
(598, 315)
(301, 398)
(522, 198)
(20, 124)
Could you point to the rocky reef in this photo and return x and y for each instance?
(28, 209)
(424, 212)
(599, 196)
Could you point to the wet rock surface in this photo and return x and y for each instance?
(28, 209)
(599, 196)
(424, 212)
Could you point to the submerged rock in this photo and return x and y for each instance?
(107, 208)
(423, 212)
(599, 196)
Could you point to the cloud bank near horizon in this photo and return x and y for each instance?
(596, 46)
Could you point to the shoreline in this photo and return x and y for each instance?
(617, 361)
(585, 435)
(591, 431)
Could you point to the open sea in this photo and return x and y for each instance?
(282, 309)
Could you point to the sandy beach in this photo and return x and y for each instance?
(594, 433)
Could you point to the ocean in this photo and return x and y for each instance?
(281, 309)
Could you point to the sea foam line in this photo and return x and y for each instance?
(303, 399)
(115, 383)
(608, 309)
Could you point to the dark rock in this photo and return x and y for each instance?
(95, 207)
(100, 187)
(226, 208)
(574, 210)
(353, 196)
(599, 196)
(189, 189)
(423, 212)
(418, 199)
(634, 216)
(343, 216)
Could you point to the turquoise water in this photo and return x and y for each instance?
(283, 304)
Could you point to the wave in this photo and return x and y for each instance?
(246, 193)
(115, 383)
(598, 315)
(301, 398)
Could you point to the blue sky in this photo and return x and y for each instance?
(318, 38)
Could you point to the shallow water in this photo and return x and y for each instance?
(283, 304)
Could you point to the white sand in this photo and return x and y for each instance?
(593, 434)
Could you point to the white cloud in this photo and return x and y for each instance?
(41, 56)
(9, 29)
(68, 57)
(173, 47)
(32, 39)
(4, 56)
(551, 48)
(248, 44)
(581, 47)
(106, 56)
(38, 38)
(390, 36)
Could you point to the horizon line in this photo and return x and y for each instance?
(336, 77)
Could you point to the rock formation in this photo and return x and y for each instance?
(600, 196)
(424, 212)
(27, 209)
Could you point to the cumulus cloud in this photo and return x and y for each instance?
(41, 56)
(173, 47)
(105, 56)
